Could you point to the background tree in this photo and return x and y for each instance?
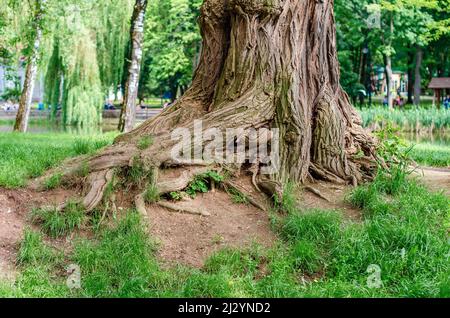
(128, 113)
(32, 55)
(172, 46)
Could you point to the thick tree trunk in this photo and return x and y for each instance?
(128, 113)
(263, 64)
(23, 113)
(418, 76)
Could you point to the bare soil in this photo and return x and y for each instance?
(191, 239)
(437, 179)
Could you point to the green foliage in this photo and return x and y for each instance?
(409, 119)
(176, 196)
(288, 202)
(58, 223)
(137, 173)
(172, 42)
(201, 183)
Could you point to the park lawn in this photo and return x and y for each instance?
(433, 155)
(400, 249)
(24, 156)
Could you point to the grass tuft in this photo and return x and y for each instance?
(58, 223)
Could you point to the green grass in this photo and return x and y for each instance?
(151, 195)
(58, 223)
(145, 142)
(435, 155)
(25, 156)
(318, 254)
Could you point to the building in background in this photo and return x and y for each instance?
(9, 75)
(399, 82)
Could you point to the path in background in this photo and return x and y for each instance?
(436, 179)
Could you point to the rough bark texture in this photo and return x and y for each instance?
(263, 64)
(23, 113)
(418, 76)
(128, 114)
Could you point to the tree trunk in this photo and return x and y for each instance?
(418, 76)
(23, 114)
(410, 76)
(388, 74)
(272, 64)
(128, 113)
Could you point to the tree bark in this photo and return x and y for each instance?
(388, 74)
(410, 76)
(418, 76)
(128, 113)
(263, 64)
(23, 114)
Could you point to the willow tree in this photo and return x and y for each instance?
(112, 27)
(263, 64)
(23, 113)
(128, 113)
(73, 78)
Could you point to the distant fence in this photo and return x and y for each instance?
(141, 114)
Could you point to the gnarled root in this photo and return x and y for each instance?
(182, 207)
(98, 182)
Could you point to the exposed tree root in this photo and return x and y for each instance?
(98, 182)
(230, 184)
(316, 192)
(139, 203)
(182, 208)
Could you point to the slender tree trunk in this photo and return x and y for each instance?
(263, 64)
(388, 62)
(128, 114)
(410, 76)
(388, 75)
(418, 76)
(23, 113)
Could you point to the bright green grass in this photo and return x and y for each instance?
(435, 155)
(24, 156)
(404, 233)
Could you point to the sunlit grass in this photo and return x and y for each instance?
(435, 155)
(25, 156)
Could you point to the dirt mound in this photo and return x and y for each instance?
(191, 239)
